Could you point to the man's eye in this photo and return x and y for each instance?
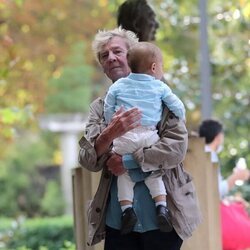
(117, 52)
(103, 56)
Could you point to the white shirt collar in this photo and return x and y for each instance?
(214, 155)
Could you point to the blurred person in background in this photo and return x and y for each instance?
(235, 220)
(213, 133)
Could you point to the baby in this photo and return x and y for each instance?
(143, 89)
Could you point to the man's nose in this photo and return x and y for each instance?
(111, 57)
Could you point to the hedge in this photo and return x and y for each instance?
(39, 234)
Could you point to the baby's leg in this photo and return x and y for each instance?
(125, 188)
(156, 188)
(125, 196)
(160, 200)
(158, 193)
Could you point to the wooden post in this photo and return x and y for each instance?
(78, 206)
(84, 185)
(205, 176)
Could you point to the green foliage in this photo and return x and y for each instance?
(51, 205)
(14, 116)
(22, 186)
(19, 2)
(5, 224)
(40, 234)
(71, 92)
(178, 36)
(245, 191)
(33, 48)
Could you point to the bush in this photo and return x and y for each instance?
(52, 203)
(40, 234)
(25, 184)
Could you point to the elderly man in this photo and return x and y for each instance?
(104, 213)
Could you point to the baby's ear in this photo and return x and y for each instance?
(153, 66)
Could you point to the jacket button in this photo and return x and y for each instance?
(98, 210)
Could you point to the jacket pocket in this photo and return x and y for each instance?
(187, 208)
(183, 196)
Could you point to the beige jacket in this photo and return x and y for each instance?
(166, 155)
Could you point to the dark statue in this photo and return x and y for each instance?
(139, 17)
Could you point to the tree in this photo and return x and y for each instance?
(36, 41)
(70, 91)
(228, 38)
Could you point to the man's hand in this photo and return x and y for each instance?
(122, 122)
(115, 165)
(238, 174)
(241, 174)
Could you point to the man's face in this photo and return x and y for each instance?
(113, 59)
(219, 142)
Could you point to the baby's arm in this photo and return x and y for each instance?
(173, 102)
(109, 106)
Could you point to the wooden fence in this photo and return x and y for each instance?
(205, 174)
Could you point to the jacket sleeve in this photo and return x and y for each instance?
(170, 150)
(95, 125)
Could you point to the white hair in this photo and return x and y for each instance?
(104, 36)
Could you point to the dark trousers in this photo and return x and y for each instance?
(151, 240)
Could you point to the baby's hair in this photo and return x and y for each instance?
(142, 55)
